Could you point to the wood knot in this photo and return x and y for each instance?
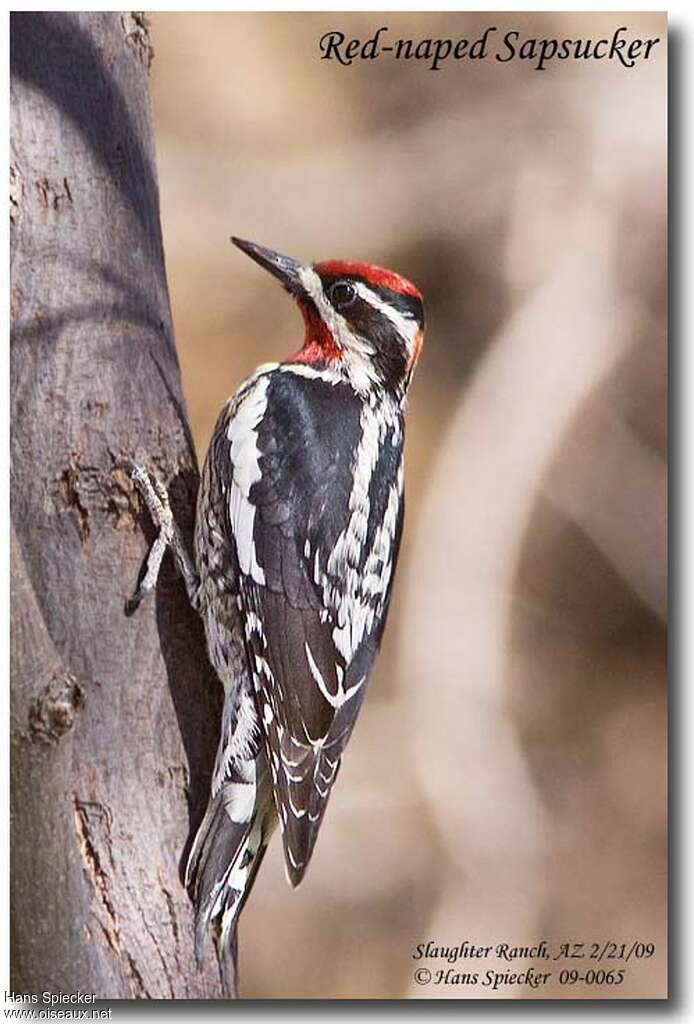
(16, 194)
(137, 36)
(53, 712)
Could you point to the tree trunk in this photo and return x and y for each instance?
(114, 718)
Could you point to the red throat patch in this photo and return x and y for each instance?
(370, 272)
(319, 345)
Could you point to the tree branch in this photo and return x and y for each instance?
(114, 719)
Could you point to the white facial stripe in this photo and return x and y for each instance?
(314, 287)
(406, 327)
(359, 366)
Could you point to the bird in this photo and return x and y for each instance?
(298, 525)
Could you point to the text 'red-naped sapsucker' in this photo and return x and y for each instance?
(298, 526)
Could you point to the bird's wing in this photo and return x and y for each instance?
(315, 510)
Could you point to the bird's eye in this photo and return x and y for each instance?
(342, 294)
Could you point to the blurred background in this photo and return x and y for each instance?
(506, 780)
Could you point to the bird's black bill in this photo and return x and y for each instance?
(284, 268)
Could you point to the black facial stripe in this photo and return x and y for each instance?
(390, 353)
(408, 305)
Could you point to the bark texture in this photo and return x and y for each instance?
(114, 718)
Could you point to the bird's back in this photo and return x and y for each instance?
(301, 504)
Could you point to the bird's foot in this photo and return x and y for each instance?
(157, 501)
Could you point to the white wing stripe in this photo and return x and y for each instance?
(342, 696)
(245, 457)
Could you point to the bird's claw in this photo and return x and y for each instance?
(156, 499)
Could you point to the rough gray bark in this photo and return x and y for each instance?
(114, 718)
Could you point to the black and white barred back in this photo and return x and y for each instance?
(297, 535)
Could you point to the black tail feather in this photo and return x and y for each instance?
(216, 850)
(222, 866)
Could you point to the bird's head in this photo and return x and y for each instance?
(363, 321)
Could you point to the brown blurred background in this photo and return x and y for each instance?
(506, 781)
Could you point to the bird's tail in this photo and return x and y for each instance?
(226, 855)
